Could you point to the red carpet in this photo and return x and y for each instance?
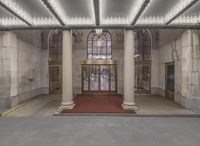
(98, 104)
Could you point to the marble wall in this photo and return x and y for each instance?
(80, 53)
(182, 48)
(22, 73)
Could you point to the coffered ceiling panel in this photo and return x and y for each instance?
(119, 11)
(74, 12)
(33, 12)
(158, 8)
(8, 19)
(191, 16)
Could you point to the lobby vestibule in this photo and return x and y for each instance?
(99, 72)
(115, 61)
(87, 48)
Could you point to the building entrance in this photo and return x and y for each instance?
(99, 77)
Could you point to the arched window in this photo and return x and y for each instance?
(55, 45)
(143, 46)
(99, 46)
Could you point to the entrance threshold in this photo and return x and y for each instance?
(111, 104)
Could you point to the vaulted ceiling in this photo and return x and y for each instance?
(92, 13)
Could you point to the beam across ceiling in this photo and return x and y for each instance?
(96, 10)
(103, 27)
(142, 8)
(10, 7)
(186, 5)
(51, 9)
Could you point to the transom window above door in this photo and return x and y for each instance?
(99, 46)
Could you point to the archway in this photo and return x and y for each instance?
(142, 59)
(55, 61)
(99, 71)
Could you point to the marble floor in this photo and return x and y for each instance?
(99, 131)
(46, 106)
(40, 106)
(151, 104)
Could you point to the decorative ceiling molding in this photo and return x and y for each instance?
(53, 11)
(140, 11)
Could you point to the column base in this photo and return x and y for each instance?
(66, 105)
(129, 106)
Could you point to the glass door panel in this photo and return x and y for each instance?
(104, 77)
(99, 78)
(113, 77)
(94, 78)
(86, 73)
(142, 78)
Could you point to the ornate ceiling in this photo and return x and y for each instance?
(103, 13)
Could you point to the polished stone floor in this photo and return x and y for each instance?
(46, 105)
(157, 105)
(41, 106)
(99, 131)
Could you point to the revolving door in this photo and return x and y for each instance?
(99, 77)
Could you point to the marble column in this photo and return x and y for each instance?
(67, 88)
(190, 69)
(9, 60)
(128, 103)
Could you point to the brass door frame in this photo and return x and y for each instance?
(99, 63)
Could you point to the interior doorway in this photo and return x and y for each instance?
(169, 80)
(55, 61)
(142, 58)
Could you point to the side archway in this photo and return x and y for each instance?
(143, 46)
(55, 61)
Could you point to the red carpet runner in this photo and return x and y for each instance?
(98, 104)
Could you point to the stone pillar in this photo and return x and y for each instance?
(9, 58)
(128, 103)
(67, 88)
(191, 69)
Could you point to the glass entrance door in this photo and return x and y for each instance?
(142, 78)
(99, 78)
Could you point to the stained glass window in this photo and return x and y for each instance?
(143, 46)
(99, 46)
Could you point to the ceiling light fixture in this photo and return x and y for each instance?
(45, 21)
(98, 31)
(151, 20)
(187, 20)
(8, 21)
